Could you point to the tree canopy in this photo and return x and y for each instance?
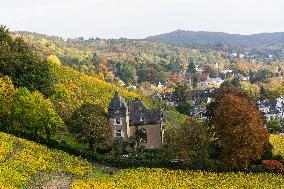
(22, 65)
(239, 126)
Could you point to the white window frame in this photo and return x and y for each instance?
(119, 133)
(143, 130)
(115, 121)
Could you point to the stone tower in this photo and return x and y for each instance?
(119, 117)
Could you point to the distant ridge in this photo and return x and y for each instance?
(219, 39)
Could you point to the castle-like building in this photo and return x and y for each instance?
(126, 118)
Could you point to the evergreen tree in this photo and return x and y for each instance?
(191, 68)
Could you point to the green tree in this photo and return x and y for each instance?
(126, 72)
(183, 98)
(25, 68)
(188, 142)
(192, 71)
(194, 80)
(33, 114)
(261, 76)
(90, 124)
(274, 126)
(263, 93)
(25, 112)
(191, 67)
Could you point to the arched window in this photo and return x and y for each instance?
(143, 135)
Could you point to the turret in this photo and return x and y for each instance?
(117, 106)
(118, 116)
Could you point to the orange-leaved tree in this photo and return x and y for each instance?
(239, 126)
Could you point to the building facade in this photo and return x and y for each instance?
(129, 118)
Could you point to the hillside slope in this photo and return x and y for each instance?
(218, 39)
(133, 61)
(25, 164)
(181, 179)
(165, 178)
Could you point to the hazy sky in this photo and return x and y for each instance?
(141, 18)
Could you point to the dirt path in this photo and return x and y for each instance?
(107, 169)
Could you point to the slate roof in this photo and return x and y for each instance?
(117, 106)
(139, 114)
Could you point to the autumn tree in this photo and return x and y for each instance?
(90, 124)
(52, 59)
(7, 92)
(240, 128)
(188, 142)
(243, 67)
(252, 90)
(208, 69)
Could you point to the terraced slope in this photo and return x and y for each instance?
(25, 164)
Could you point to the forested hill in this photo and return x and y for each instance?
(133, 61)
(218, 39)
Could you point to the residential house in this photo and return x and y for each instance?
(212, 83)
(272, 109)
(226, 73)
(167, 97)
(129, 118)
(200, 100)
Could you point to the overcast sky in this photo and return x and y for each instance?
(141, 18)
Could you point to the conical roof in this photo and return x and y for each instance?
(117, 102)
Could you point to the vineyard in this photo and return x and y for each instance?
(27, 164)
(164, 178)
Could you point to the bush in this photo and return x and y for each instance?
(273, 165)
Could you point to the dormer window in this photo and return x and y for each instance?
(117, 121)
